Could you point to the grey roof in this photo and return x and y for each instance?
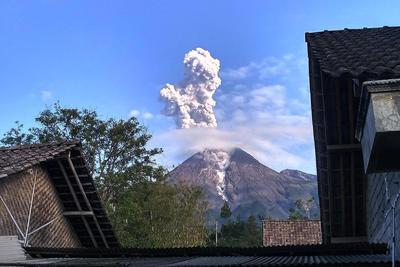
(19, 158)
(326, 260)
(382, 85)
(357, 51)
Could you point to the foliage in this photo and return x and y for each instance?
(240, 233)
(295, 214)
(144, 210)
(301, 209)
(237, 233)
(226, 211)
(161, 216)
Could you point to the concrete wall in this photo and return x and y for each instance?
(379, 227)
(16, 190)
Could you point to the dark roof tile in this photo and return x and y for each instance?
(357, 51)
(19, 158)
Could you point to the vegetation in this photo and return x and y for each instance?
(302, 209)
(238, 233)
(155, 215)
(226, 211)
(143, 209)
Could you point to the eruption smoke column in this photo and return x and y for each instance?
(191, 101)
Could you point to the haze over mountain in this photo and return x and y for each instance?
(247, 185)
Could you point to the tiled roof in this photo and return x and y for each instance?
(357, 51)
(19, 158)
(291, 232)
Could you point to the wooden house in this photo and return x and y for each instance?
(48, 198)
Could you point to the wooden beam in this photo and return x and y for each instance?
(78, 181)
(78, 213)
(78, 205)
(323, 85)
(332, 148)
(353, 163)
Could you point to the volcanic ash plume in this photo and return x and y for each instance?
(191, 100)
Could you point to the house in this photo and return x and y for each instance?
(291, 232)
(48, 198)
(355, 110)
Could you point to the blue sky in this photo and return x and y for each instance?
(115, 56)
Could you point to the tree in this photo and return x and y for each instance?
(295, 214)
(161, 216)
(225, 211)
(143, 208)
(301, 209)
(238, 233)
(110, 146)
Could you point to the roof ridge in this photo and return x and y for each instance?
(380, 82)
(37, 145)
(352, 29)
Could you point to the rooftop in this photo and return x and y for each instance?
(310, 255)
(291, 232)
(357, 51)
(18, 158)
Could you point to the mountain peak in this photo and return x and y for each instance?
(240, 155)
(246, 184)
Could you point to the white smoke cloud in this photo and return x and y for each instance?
(263, 120)
(191, 102)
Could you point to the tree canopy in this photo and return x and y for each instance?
(301, 209)
(143, 208)
(226, 211)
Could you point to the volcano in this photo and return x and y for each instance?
(249, 187)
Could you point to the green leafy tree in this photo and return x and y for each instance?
(143, 209)
(111, 147)
(295, 214)
(253, 232)
(162, 216)
(238, 233)
(225, 211)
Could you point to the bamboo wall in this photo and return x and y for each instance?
(16, 191)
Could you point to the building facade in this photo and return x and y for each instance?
(355, 101)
